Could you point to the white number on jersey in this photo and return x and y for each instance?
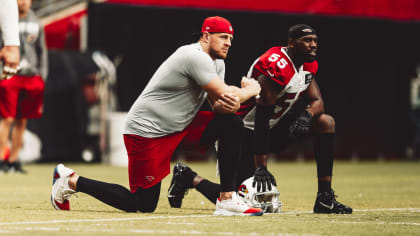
(281, 61)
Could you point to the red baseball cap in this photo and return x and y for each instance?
(216, 24)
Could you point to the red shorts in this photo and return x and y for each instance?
(149, 158)
(22, 97)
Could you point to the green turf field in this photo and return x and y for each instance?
(385, 197)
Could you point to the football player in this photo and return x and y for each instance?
(21, 96)
(286, 75)
(167, 113)
(9, 52)
(9, 55)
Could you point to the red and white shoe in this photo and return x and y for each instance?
(61, 192)
(235, 207)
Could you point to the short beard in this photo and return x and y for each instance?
(216, 55)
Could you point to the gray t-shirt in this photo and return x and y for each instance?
(174, 94)
(33, 50)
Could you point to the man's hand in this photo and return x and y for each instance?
(226, 104)
(10, 56)
(251, 85)
(263, 179)
(301, 126)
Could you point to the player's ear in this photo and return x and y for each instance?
(206, 36)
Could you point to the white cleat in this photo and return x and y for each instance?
(235, 207)
(61, 192)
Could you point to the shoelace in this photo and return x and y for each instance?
(337, 203)
(66, 196)
(67, 192)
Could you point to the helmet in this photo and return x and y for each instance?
(268, 201)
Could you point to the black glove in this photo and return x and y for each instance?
(263, 178)
(301, 126)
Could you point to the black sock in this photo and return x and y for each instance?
(324, 186)
(324, 154)
(230, 128)
(119, 197)
(246, 164)
(210, 190)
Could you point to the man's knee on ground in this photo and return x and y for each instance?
(147, 199)
(148, 208)
(324, 123)
(147, 204)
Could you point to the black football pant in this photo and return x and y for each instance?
(279, 141)
(227, 129)
(244, 169)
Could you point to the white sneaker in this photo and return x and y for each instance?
(61, 192)
(235, 206)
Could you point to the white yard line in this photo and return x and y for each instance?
(375, 222)
(196, 232)
(390, 209)
(360, 210)
(190, 216)
(101, 220)
(152, 231)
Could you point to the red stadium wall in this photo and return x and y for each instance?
(388, 9)
(64, 33)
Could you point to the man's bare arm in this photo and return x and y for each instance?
(216, 88)
(316, 104)
(9, 19)
(265, 107)
(221, 93)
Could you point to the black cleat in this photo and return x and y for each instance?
(182, 180)
(16, 167)
(4, 166)
(325, 203)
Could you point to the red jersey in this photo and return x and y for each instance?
(276, 65)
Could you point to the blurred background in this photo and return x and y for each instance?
(102, 54)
